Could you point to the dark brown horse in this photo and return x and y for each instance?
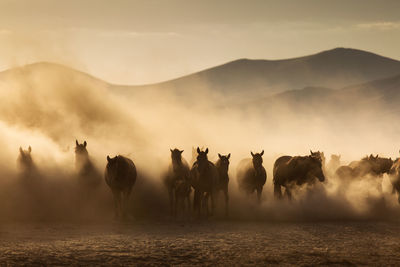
(223, 167)
(295, 171)
(252, 175)
(177, 181)
(204, 178)
(120, 176)
(88, 176)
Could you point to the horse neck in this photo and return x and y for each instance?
(222, 168)
(258, 168)
(204, 166)
(82, 161)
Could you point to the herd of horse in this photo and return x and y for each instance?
(207, 179)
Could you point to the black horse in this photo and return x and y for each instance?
(223, 167)
(204, 179)
(120, 176)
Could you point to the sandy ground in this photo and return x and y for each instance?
(201, 243)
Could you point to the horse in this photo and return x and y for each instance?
(177, 181)
(26, 163)
(395, 178)
(252, 175)
(204, 180)
(120, 175)
(370, 165)
(222, 166)
(295, 171)
(89, 176)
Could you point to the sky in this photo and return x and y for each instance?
(140, 42)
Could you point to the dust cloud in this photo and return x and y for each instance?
(48, 106)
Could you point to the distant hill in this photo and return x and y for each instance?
(245, 78)
(340, 78)
(379, 97)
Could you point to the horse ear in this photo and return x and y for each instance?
(262, 153)
(198, 150)
(219, 155)
(229, 155)
(206, 150)
(108, 158)
(76, 142)
(29, 149)
(20, 150)
(252, 154)
(181, 151)
(170, 150)
(84, 144)
(311, 152)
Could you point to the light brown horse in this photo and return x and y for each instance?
(252, 175)
(395, 178)
(88, 176)
(177, 181)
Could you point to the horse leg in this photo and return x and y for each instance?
(259, 192)
(206, 206)
(396, 188)
(212, 196)
(196, 202)
(124, 203)
(288, 193)
(117, 202)
(277, 191)
(176, 204)
(171, 200)
(226, 201)
(188, 204)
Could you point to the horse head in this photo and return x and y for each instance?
(176, 155)
(25, 158)
(202, 159)
(257, 159)
(319, 155)
(224, 161)
(315, 165)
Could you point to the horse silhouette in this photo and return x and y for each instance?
(204, 179)
(88, 175)
(194, 155)
(177, 181)
(223, 167)
(290, 172)
(369, 165)
(120, 175)
(395, 178)
(25, 163)
(252, 175)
